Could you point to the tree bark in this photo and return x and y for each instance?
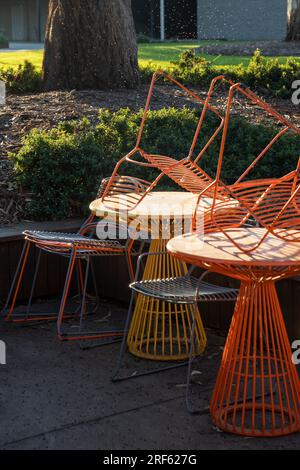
(293, 33)
(90, 44)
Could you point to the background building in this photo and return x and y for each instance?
(242, 19)
(25, 20)
(168, 19)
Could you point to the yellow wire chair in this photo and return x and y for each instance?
(117, 193)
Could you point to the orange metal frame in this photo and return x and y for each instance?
(265, 202)
(74, 251)
(257, 392)
(185, 172)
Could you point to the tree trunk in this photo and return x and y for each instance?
(293, 33)
(90, 45)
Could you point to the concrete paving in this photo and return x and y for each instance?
(55, 395)
(23, 46)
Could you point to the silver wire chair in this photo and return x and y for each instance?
(184, 289)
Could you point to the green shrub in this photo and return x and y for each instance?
(193, 68)
(25, 79)
(62, 168)
(271, 77)
(262, 74)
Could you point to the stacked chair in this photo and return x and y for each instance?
(181, 289)
(257, 392)
(82, 247)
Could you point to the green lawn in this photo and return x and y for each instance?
(164, 53)
(15, 58)
(158, 53)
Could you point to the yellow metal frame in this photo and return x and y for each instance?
(159, 330)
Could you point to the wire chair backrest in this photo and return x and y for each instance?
(269, 203)
(184, 172)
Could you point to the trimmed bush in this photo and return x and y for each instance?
(62, 168)
(25, 79)
(262, 74)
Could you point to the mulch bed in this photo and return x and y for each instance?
(45, 110)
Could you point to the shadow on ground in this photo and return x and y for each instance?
(57, 396)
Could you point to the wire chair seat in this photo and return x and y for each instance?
(184, 289)
(68, 241)
(125, 192)
(185, 173)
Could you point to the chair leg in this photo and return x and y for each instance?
(109, 336)
(119, 378)
(80, 288)
(80, 275)
(72, 261)
(27, 316)
(33, 285)
(96, 290)
(116, 377)
(83, 299)
(189, 374)
(188, 401)
(16, 284)
(129, 261)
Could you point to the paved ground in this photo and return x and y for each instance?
(57, 396)
(23, 46)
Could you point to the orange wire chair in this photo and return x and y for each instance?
(77, 247)
(268, 203)
(257, 392)
(185, 172)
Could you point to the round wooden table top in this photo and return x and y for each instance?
(217, 248)
(156, 204)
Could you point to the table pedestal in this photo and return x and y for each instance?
(161, 331)
(257, 392)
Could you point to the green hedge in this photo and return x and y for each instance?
(262, 74)
(23, 79)
(62, 168)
